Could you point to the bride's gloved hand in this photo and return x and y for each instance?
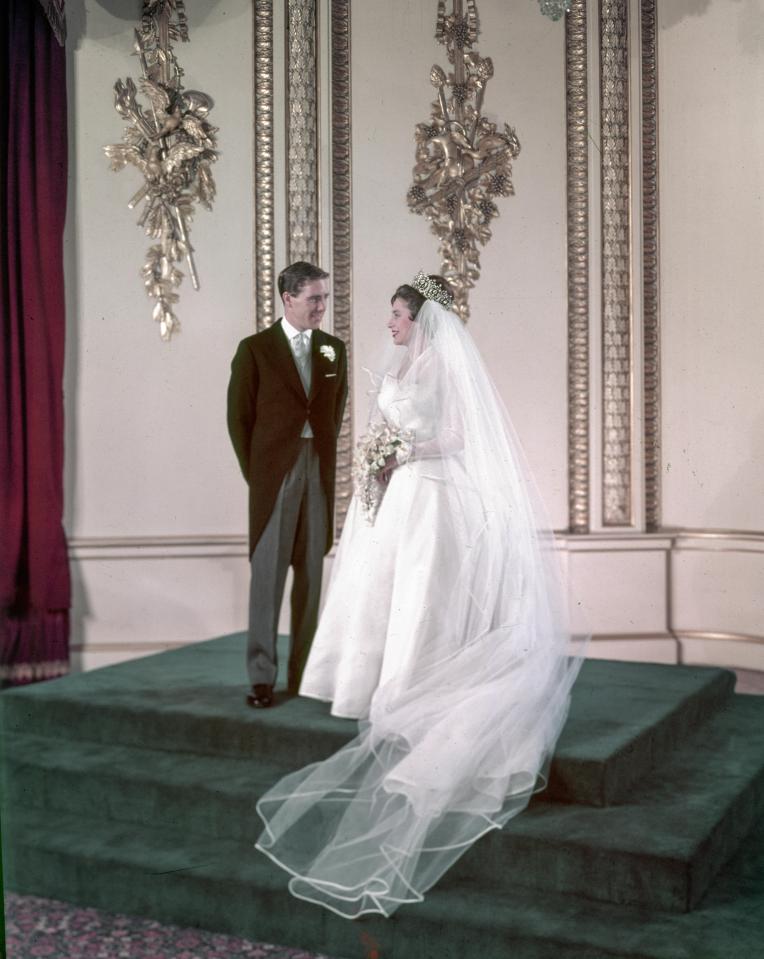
(391, 464)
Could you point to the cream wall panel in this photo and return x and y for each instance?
(147, 447)
(136, 597)
(519, 307)
(619, 588)
(711, 75)
(719, 590)
(128, 596)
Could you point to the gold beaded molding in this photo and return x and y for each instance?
(616, 264)
(612, 90)
(302, 132)
(264, 235)
(650, 253)
(578, 266)
(342, 236)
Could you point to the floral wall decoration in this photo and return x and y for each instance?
(463, 161)
(173, 144)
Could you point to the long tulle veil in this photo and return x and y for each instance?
(459, 746)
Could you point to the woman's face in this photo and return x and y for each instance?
(400, 323)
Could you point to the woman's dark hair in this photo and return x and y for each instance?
(294, 277)
(413, 298)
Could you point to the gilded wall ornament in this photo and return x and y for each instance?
(651, 334)
(463, 161)
(265, 194)
(617, 338)
(302, 132)
(342, 235)
(173, 145)
(577, 121)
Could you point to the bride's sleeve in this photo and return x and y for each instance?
(445, 437)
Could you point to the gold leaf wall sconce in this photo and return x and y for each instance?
(463, 161)
(173, 144)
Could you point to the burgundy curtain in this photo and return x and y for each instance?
(34, 573)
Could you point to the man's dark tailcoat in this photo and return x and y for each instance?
(267, 409)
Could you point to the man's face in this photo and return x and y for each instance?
(306, 309)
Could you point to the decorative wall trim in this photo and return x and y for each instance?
(578, 265)
(264, 241)
(87, 548)
(163, 539)
(668, 538)
(742, 534)
(302, 131)
(650, 264)
(616, 264)
(342, 234)
(719, 636)
(631, 637)
(684, 539)
(128, 647)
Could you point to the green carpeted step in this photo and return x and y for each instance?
(208, 796)
(663, 847)
(625, 718)
(660, 850)
(223, 885)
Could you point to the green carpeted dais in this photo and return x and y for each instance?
(132, 788)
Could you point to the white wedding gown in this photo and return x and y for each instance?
(384, 609)
(445, 632)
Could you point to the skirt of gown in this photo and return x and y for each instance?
(385, 603)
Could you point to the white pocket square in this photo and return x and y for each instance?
(327, 375)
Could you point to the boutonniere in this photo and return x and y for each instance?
(328, 352)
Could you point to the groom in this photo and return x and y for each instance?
(286, 398)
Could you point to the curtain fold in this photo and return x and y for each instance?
(34, 572)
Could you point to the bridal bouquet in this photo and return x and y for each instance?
(371, 455)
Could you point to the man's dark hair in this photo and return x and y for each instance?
(294, 277)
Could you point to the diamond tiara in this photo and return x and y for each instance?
(432, 290)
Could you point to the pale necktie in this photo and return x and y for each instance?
(301, 347)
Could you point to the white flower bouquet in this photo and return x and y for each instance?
(372, 452)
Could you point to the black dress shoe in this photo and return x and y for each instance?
(261, 696)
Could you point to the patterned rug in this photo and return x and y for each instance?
(37, 928)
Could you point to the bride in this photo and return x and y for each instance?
(445, 633)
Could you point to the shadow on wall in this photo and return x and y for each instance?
(751, 14)
(751, 27)
(672, 13)
(748, 13)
